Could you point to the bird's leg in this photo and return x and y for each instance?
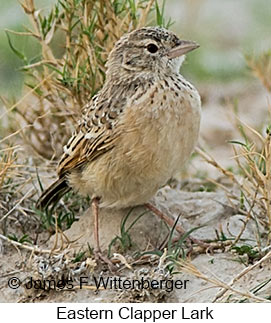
(95, 211)
(171, 223)
(97, 251)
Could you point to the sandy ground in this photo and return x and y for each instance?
(210, 210)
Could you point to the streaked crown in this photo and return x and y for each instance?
(149, 50)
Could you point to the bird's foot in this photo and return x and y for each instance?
(204, 245)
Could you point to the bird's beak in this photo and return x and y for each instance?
(184, 47)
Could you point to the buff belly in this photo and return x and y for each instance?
(148, 153)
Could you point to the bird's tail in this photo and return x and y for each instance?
(53, 194)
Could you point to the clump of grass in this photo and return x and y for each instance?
(63, 215)
(23, 239)
(124, 239)
(247, 253)
(75, 38)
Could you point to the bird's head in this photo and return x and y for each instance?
(149, 51)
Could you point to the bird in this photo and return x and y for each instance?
(137, 132)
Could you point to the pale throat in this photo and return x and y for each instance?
(177, 63)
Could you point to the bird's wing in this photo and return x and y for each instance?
(95, 136)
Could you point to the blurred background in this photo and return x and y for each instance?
(226, 30)
(12, 17)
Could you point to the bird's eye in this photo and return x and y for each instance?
(152, 48)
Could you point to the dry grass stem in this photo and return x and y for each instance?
(192, 270)
(242, 273)
(27, 247)
(261, 67)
